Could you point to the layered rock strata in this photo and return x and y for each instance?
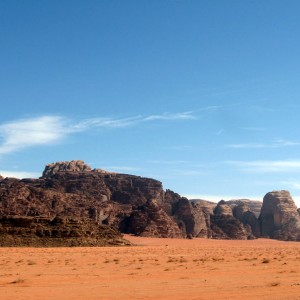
(279, 217)
(66, 232)
(140, 206)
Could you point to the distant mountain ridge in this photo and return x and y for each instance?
(135, 205)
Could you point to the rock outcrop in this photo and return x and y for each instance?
(208, 205)
(243, 213)
(66, 232)
(254, 205)
(192, 219)
(225, 226)
(65, 166)
(73, 189)
(223, 209)
(151, 220)
(279, 217)
(138, 205)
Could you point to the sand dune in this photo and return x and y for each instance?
(154, 269)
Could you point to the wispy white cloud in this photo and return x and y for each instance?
(44, 130)
(189, 115)
(19, 174)
(212, 108)
(23, 133)
(279, 143)
(105, 123)
(267, 166)
(131, 121)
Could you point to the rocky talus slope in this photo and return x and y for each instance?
(126, 203)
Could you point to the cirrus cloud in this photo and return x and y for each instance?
(23, 133)
(44, 130)
(267, 166)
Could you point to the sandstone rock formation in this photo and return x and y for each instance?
(254, 205)
(74, 190)
(65, 166)
(243, 213)
(210, 206)
(137, 205)
(45, 232)
(279, 217)
(223, 209)
(150, 220)
(192, 219)
(225, 226)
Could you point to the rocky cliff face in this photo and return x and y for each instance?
(225, 226)
(279, 217)
(137, 205)
(253, 205)
(67, 232)
(72, 189)
(150, 220)
(192, 219)
(210, 206)
(243, 213)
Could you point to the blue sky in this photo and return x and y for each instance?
(202, 95)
